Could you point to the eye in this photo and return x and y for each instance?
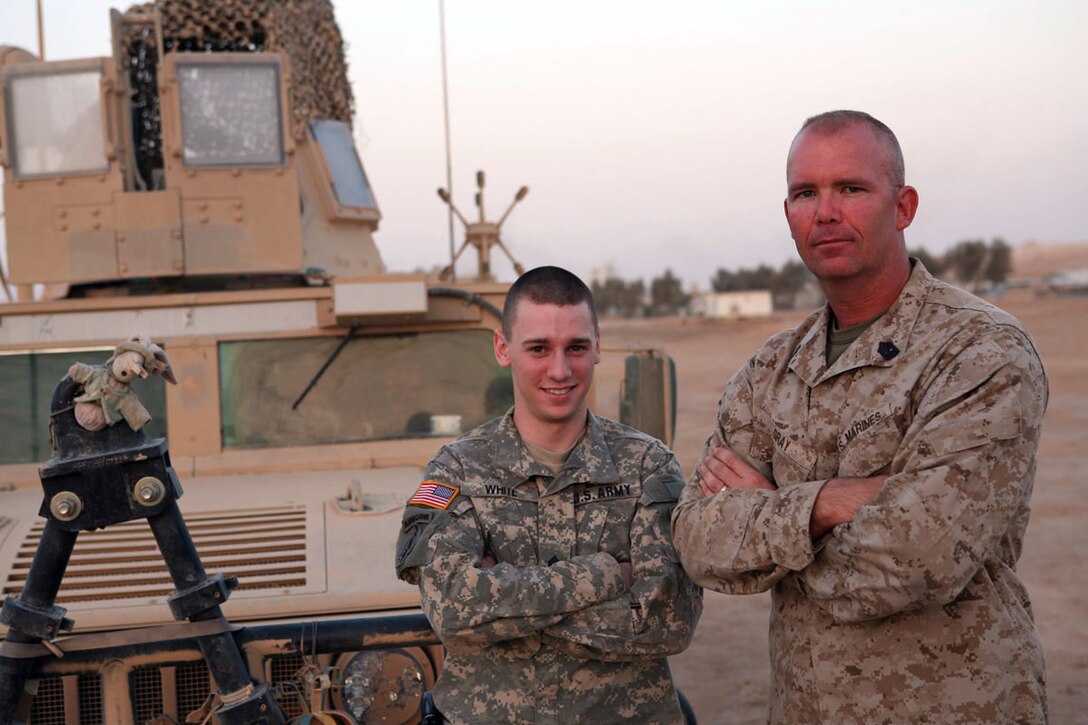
(804, 194)
(852, 190)
(536, 349)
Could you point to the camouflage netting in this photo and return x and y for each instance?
(303, 30)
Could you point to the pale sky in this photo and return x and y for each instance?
(654, 134)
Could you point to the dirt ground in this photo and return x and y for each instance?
(726, 673)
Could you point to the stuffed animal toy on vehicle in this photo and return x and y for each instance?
(107, 389)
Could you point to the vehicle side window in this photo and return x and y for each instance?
(27, 381)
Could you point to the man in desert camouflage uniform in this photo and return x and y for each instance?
(540, 541)
(873, 466)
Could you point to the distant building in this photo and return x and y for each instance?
(732, 305)
(600, 275)
(1068, 282)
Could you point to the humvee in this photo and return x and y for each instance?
(216, 202)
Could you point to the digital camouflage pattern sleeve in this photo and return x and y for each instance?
(553, 631)
(744, 541)
(443, 550)
(959, 484)
(913, 611)
(658, 615)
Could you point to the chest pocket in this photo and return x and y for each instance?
(508, 524)
(869, 445)
(603, 515)
(791, 461)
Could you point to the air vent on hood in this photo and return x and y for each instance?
(264, 548)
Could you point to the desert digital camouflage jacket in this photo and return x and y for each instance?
(913, 611)
(550, 634)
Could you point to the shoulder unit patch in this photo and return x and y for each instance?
(434, 495)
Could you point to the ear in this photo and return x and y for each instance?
(596, 347)
(906, 205)
(502, 349)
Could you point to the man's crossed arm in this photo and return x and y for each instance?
(838, 502)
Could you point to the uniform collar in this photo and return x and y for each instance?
(590, 461)
(882, 345)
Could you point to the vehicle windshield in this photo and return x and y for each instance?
(27, 380)
(378, 387)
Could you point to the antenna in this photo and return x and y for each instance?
(482, 234)
(446, 115)
(41, 32)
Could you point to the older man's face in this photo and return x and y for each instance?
(845, 214)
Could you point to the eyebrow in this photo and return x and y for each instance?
(548, 341)
(836, 183)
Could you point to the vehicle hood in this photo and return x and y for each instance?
(299, 543)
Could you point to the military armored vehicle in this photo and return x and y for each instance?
(201, 185)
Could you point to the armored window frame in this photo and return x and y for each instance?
(190, 146)
(97, 133)
(343, 165)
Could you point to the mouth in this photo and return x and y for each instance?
(559, 392)
(826, 241)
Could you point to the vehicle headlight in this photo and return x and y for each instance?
(384, 686)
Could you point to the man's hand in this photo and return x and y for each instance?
(625, 568)
(488, 561)
(725, 469)
(839, 501)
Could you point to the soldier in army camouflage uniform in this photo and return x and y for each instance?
(540, 541)
(873, 466)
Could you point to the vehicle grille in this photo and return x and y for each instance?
(192, 683)
(176, 690)
(264, 548)
(146, 691)
(84, 697)
(283, 670)
(186, 688)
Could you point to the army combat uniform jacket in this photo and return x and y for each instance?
(913, 611)
(550, 634)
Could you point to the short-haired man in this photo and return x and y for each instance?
(873, 466)
(545, 565)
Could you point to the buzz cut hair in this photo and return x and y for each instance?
(832, 122)
(546, 286)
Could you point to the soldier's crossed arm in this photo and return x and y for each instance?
(743, 540)
(657, 617)
(838, 501)
(960, 476)
(467, 602)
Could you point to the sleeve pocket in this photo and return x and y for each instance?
(661, 489)
(965, 436)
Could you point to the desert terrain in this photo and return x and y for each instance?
(726, 673)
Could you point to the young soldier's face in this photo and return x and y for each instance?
(551, 353)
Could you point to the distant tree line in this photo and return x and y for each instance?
(972, 263)
(619, 298)
(785, 283)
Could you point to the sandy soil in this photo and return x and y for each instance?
(725, 673)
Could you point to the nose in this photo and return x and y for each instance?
(559, 366)
(827, 211)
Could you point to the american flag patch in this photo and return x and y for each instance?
(434, 495)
